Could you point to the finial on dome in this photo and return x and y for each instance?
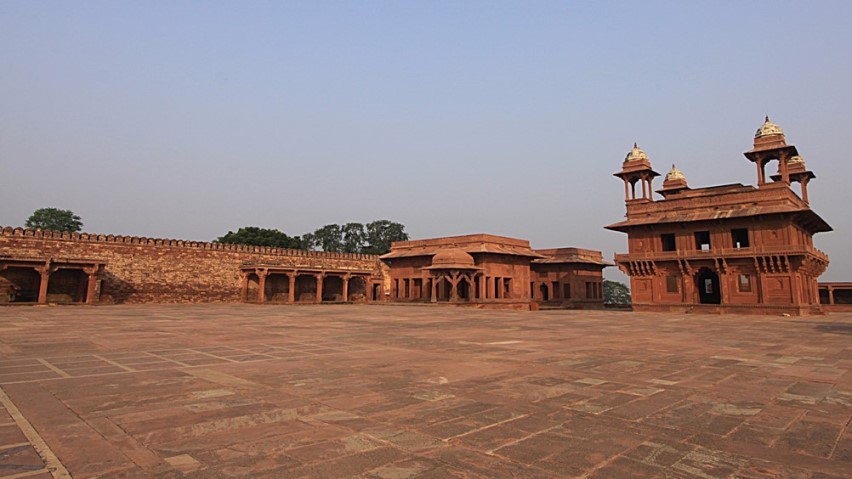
(675, 174)
(768, 128)
(636, 154)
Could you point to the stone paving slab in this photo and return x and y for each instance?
(382, 392)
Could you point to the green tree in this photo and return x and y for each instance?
(380, 234)
(54, 219)
(252, 235)
(615, 292)
(328, 238)
(352, 237)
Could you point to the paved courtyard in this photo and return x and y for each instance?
(250, 391)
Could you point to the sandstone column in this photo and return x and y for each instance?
(91, 284)
(346, 287)
(291, 293)
(42, 285)
(319, 276)
(261, 286)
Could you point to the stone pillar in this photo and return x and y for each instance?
(804, 183)
(261, 286)
(454, 290)
(42, 285)
(291, 293)
(831, 295)
(346, 287)
(320, 277)
(783, 169)
(92, 284)
(434, 294)
(244, 286)
(760, 173)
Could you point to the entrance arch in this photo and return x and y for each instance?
(707, 283)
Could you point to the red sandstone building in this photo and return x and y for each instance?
(730, 248)
(488, 270)
(55, 267)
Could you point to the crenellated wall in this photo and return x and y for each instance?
(142, 270)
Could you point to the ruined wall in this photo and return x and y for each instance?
(142, 270)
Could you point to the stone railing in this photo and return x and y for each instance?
(781, 250)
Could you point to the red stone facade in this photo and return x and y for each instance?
(70, 267)
(493, 271)
(730, 248)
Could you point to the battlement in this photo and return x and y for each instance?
(9, 231)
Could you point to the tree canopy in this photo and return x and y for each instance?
(372, 238)
(615, 292)
(252, 235)
(54, 219)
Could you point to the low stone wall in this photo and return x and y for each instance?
(146, 270)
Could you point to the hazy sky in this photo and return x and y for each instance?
(189, 119)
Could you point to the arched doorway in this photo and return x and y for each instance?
(707, 283)
(306, 288)
(67, 286)
(19, 285)
(545, 294)
(332, 288)
(277, 288)
(357, 289)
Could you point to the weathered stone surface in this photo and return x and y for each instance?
(404, 392)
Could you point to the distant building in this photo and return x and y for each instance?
(730, 248)
(493, 271)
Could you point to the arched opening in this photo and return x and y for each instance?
(332, 288)
(67, 286)
(306, 288)
(19, 285)
(357, 289)
(252, 287)
(545, 294)
(463, 289)
(707, 283)
(277, 288)
(445, 289)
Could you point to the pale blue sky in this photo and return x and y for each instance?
(189, 119)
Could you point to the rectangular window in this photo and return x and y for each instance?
(739, 237)
(745, 283)
(702, 240)
(668, 241)
(566, 291)
(671, 284)
(554, 286)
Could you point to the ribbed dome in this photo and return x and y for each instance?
(796, 159)
(636, 154)
(452, 258)
(768, 128)
(675, 174)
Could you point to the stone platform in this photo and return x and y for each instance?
(221, 391)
